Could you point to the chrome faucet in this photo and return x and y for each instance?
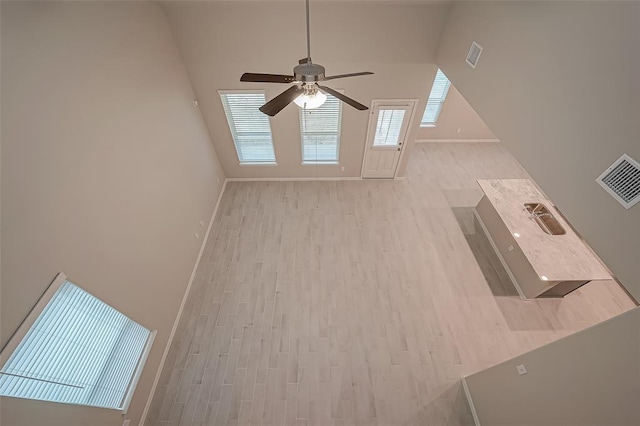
(535, 214)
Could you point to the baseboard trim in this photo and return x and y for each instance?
(454, 140)
(495, 249)
(182, 304)
(467, 393)
(293, 179)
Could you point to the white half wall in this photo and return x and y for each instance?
(590, 378)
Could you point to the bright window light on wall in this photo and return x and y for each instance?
(437, 96)
(250, 128)
(75, 349)
(320, 132)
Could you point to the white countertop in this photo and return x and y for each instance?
(557, 257)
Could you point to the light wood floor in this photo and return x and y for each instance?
(356, 302)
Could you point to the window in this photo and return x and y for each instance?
(436, 99)
(320, 132)
(76, 349)
(389, 126)
(250, 128)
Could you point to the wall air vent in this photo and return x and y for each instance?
(474, 54)
(622, 181)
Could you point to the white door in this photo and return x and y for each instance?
(387, 134)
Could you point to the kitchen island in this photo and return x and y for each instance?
(541, 253)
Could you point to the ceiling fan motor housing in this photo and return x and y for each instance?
(309, 72)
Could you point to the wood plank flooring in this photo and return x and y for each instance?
(356, 302)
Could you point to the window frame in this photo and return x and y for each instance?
(19, 335)
(233, 134)
(439, 101)
(338, 134)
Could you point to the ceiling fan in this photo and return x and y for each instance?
(306, 92)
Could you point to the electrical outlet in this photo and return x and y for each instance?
(342, 168)
(521, 370)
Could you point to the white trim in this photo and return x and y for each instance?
(293, 179)
(414, 111)
(319, 163)
(495, 249)
(254, 163)
(413, 104)
(455, 140)
(467, 393)
(138, 373)
(179, 315)
(241, 91)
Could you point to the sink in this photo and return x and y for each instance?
(539, 213)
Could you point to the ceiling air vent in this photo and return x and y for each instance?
(474, 54)
(622, 181)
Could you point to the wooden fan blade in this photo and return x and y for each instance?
(355, 74)
(343, 98)
(276, 104)
(267, 78)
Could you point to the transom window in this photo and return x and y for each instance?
(73, 348)
(250, 128)
(320, 132)
(437, 96)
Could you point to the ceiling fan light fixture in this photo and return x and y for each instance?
(305, 91)
(311, 101)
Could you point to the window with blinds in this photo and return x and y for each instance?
(320, 132)
(250, 128)
(79, 350)
(437, 96)
(389, 127)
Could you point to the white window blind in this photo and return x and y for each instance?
(388, 127)
(437, 96)
(250, 128)
(320, 132)
(79, 350)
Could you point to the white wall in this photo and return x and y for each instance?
(457, 121)
(107, 171)
(558, 84)
(221, 40)
(590, 378)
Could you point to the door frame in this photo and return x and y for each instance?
(413, 103)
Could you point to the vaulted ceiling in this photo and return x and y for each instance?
(220, 40)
